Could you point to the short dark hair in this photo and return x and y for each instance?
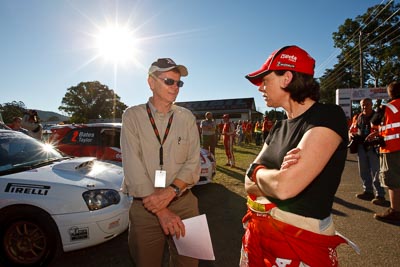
(393, 90)
(366, 100)
(302, 86)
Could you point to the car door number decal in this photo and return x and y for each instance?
(74, 136)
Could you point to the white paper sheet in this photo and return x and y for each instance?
(197, 241)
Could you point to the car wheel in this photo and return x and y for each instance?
(29, 237)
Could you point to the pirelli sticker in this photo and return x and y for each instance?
(28, 189)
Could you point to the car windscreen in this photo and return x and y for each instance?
(18, 149)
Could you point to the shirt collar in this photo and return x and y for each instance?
(154, 110)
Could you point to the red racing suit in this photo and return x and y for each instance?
(229, 134)
(268, 242)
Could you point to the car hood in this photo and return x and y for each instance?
(82, 172)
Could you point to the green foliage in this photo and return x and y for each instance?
(274, 114)
(91, 100)
(374, 34)
(11, 110)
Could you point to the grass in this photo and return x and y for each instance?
(233, 178)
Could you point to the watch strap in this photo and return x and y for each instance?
(253, 177)
(176, 189)
(252, 171)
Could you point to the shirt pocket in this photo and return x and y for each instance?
(182, 151)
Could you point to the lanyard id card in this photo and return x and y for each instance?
(160, 175)
(160, 178)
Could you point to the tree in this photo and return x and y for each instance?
(376, 36)
(91, 100)
(274, 114)
(11, 110)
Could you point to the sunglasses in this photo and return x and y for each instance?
(169, 81)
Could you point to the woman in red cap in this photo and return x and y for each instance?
(292, 182)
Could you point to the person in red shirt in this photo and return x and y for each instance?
(248, 131)
(266, 126)
(229, 134)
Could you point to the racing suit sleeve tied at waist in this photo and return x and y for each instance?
(269, 241)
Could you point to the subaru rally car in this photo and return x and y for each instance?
(102, 140)
(50, 203)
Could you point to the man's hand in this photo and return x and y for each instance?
(372, 136)
(159, 200)
(171, 223)
(291, 158)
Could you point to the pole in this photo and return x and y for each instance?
(361, 61)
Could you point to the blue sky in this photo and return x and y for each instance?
(48, 46)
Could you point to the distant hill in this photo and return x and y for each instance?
(46, 115)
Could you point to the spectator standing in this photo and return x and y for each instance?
(239, 133)
(220, 128)
(390, 154)
(208, 132)
(266, 126)
(292, 183)
(229, 134)
(368, 158)
(248, 132)
(160, 154)
(258, 132)
(244, 127)
(16, 125)
(30, 121)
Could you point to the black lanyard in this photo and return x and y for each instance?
(153, 123)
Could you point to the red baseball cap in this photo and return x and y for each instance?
(287, 58)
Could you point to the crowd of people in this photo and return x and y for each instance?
(377, 135)
(232, 133)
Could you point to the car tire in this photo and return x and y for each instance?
(29, 237)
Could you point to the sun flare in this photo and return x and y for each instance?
(116, 44)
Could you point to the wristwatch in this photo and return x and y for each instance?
(252, 171)
(176, 189)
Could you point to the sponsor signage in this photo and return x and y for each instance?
(29, 189)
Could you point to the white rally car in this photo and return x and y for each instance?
(208, 167)
(49, 202)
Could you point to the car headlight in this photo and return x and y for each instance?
(101, 198)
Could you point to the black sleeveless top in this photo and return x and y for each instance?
(316, 199)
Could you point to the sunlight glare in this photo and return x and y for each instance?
(116, 44)
(47, 147)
